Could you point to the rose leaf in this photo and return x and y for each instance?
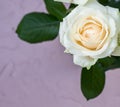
(104, 2)
(108, 63)
(56, 9)
(112, 3)
(38, 27)
(92, 81)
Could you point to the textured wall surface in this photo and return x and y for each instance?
(41, 75)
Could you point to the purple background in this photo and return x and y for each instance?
(41, 75)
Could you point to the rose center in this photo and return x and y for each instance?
(91, 35)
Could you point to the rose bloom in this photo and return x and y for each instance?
(90, 32)
(80, 2)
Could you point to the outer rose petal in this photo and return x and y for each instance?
(80, 2)
(116, 52)
(84, 61)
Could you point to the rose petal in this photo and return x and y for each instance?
(116, 52)
(84, 61)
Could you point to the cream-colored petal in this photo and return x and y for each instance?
(119, 40)
(84, 61)
(80, 2)
(116, 52)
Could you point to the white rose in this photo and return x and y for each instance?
(80, 2)
(90, 32)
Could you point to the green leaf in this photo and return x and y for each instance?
(92, 81)
(71, 7)
(38, 27)
(112, 3)
(108, 63)
(104, 2)
(56, 9)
